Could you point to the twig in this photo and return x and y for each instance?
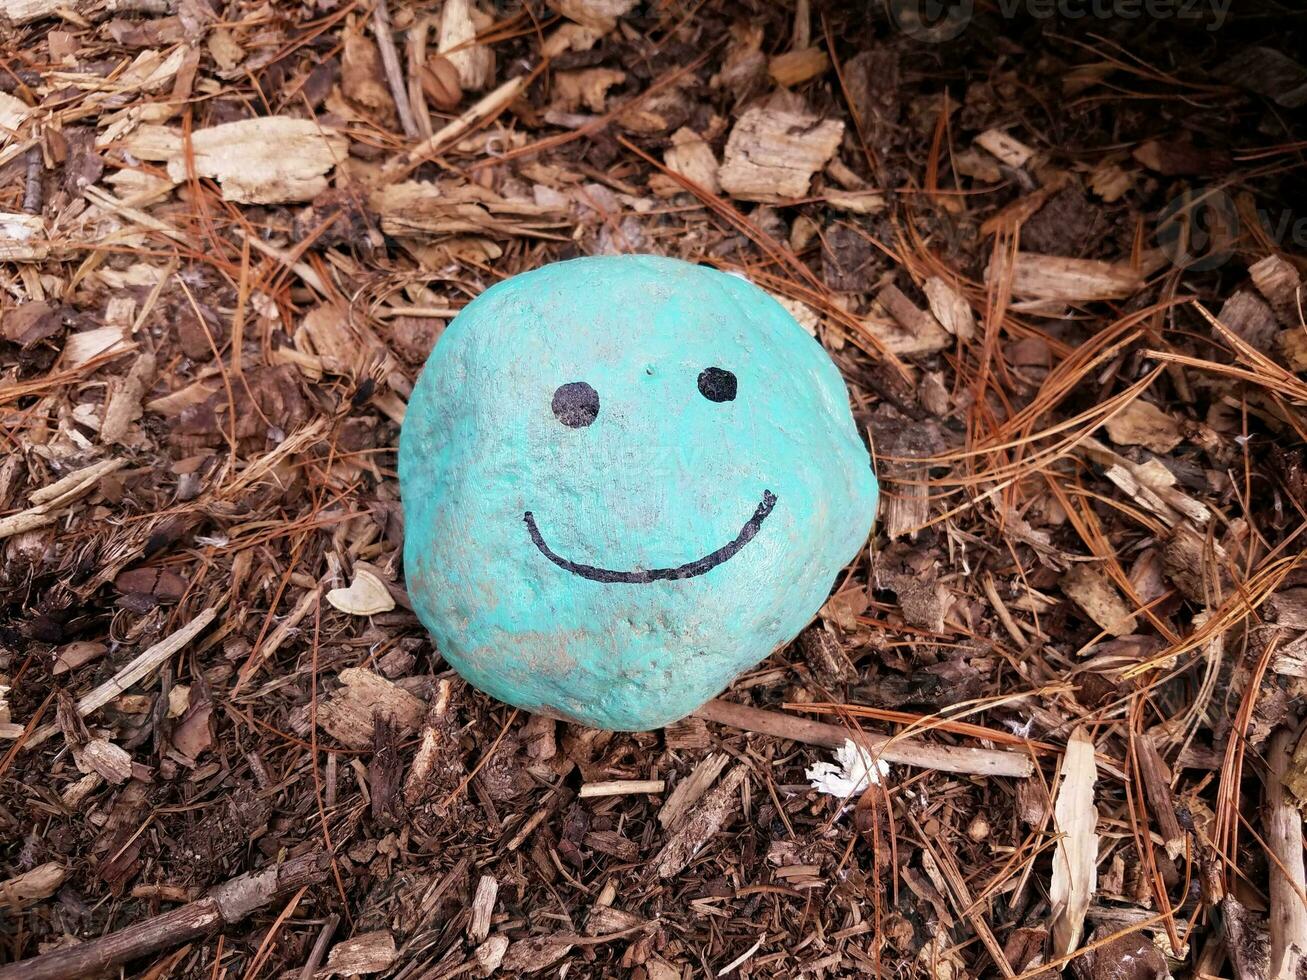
(946, 868)
(33, 192)
(622, 787)
(319, 951)
(946, 758)
(1288, 880)
(224, 906)
(483, 110)
(118, 684)
(394, 74)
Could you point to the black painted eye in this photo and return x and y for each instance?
(576, 404)
(717, 385)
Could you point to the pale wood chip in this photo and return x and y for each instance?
(857, 202)
(483, 907)
(1278, 281)
(22, 238)
(536, 953)
(772, 154)
(371, 952)
(692, 158)
(1005, 148)
(348, 715)
(82, 347)
(1075, 859)
(1142, 423)
(264, 160)
(490, 954)
(604, 920)
(917, 331)
(109, 761)
(1069, 280)
(1089, 587)
(124, 405)
(458, 29)
(950, 307)
(596, 15)
(690, 789)
(33, 886)
(12, 113)
(367, 595)
(587, 87)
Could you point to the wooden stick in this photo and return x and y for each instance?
(622, 787)
(224, 906)
(1288, 878)
(905, 752)
(489, 105)
(394, 74)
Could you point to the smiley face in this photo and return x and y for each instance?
(625, 480)
(576, 404)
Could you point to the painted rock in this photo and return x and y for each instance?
(625, 480)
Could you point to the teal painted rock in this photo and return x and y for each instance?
(625, 480)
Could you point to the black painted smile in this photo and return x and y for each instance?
(642, 576)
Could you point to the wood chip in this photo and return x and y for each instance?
(22, 238)
(264, 160)
(599, 16)
(588, 87)
(700, 825)
(82, 347)
(857, 202)
(30, 887)
(1089, 587)
(1075, 859)
(950, 307)
(124, 405)
(108, 761)
(1007, 149)
(457, 34)
(536, 953)
(1278, 281)
(912, 331)
(349, 714)
(692, 158)
(796, 67)
(490, 954)
(12, 113)
(1053, 277)
(371, 952)
(483, 907)
(1142, 423)
(367, 595)
(690, 789)
(772, 154)
(1157, 788)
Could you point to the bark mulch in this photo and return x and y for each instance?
(1055, 247)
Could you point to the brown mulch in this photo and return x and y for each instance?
(1059, 262)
